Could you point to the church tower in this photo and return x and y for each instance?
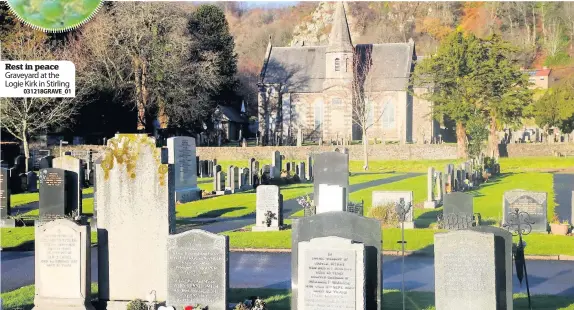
(339, 54)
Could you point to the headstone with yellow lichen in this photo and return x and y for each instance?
(136, 213)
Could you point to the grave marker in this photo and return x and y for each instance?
(533, 203)
(331, 168)
(136, 213)
(269, 199)
(198, 269)
(62, 266)
(75, 174)
(458, 210)
(181, 154)
(332, 274)
(5, 200)
(55, 195)
(344, 225)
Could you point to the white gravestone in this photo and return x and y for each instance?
(331, 273)
(62, 266)
(269, 199)
(136, 213)
(430, 203)
(332, 198)
(74, 165)
(181, 153)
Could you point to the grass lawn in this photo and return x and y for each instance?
(488, 198)
(525, 164)
(241, 204)
(23, 298)
(22, 238)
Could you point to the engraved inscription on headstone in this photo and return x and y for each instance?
(4, 194)
(331, 271)
(269, 199)
(198, 265)
(534, 203)
(465, 275)
(54, 197)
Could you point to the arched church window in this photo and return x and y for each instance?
(337, 64)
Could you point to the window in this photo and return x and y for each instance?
(542, 79)
(318, 114)
(337, 64)
(336, 101)
(388, 116)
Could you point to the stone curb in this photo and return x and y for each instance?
(407, 253)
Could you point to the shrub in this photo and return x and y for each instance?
(386, 214)
(137, 304)
(296, 179)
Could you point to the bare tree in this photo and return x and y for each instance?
(568, 16)
(553, 37)
(363, 96)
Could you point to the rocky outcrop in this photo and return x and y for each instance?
(315, 29)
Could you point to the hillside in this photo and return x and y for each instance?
(542, 32)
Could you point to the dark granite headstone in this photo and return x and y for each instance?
(15, 182)
(4, 194)
(198, 269)
(23, 182)
(32, 181)
(458, 211)
(197, 165)
(503, 264)
(46, 162)
(467, 272)
(55, 193)
(20, 164)
(533, 203)
(331, 168)
(344, 225)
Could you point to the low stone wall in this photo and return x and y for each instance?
(376, 152)
(538, 149)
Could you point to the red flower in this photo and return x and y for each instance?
(188, 308)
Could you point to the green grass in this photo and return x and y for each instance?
(23, 298)
(23, 198)
(243, 203)
(524, 164)
(488, 198)
(22, 238)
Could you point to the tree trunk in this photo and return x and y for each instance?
(26, 149)
(492, 139)
(162, 116)
(365, 150)
(461, 140)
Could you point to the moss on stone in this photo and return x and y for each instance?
(124, 149)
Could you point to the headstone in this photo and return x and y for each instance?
(46, 161)
(381, 198)
(299, 137)
(344, 225)
(458, 210)
(269, 208)
(5, 200)
(14, 183)
(332, 198)
(23, 182)
(55, 193)
(32, 181)
(533, 203)
(276, 164)
(430, 203)
(74, 167)
(331, 168)
(230, 177)
(288, 167)
(466, 268)
(94, 219)
(136, 213)
(198, 270)
(252, 170)
(301, 172)
(309, 168)
(181, 154)
(503, 264)
(62, 266)
(20, 164)
(197, 166)
(332, 274)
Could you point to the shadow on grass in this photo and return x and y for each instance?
(219, 212)
(413, 300)
(426, 219)
(546, 302)
(204, 181)
(22, 247)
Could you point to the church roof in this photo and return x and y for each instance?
(340, 38)
(302, 69)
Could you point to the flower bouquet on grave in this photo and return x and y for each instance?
(307, 204)
(196, 307)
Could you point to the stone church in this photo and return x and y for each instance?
(309, 91)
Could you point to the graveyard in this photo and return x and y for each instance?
(240, 216)
(266, 156)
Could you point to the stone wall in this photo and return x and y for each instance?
(538, 149)
(376, 152)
